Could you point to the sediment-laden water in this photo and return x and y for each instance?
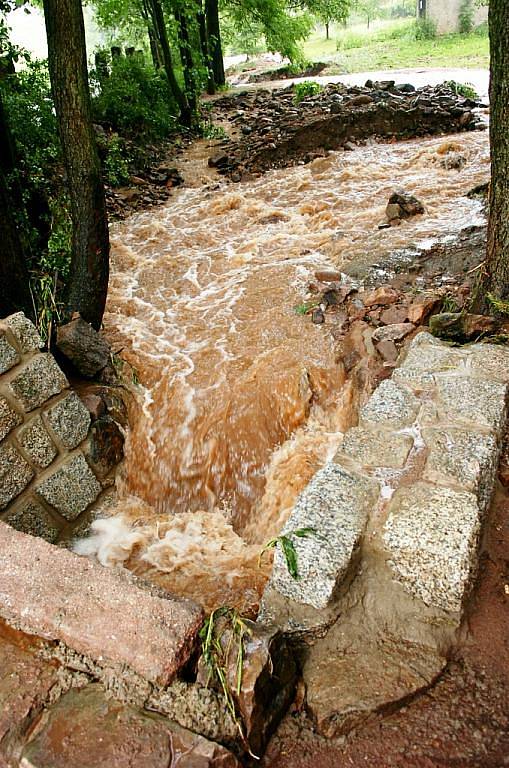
(241, 399)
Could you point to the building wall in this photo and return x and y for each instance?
(445, 14)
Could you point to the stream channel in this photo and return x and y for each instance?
(240, 399)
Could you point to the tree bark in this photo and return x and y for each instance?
(14, 279)
(186, 58)
(214, 36)
(326, 30)
(157, 16)
(205, 52)
(495, 276)
(67, 61)
(154, 48)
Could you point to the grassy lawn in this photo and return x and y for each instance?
(392, 45)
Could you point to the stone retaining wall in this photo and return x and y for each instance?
(420, 466)
(398, 516)
(49, 482)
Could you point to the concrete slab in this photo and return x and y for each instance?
(95, 611)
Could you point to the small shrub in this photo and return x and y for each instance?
(462, 89)
(465, 17)
(135, 99)
(303, 90)
(116, 165)
(482, 30)
(425, 29)
(349, 41)
(48, 277)
(211, 131)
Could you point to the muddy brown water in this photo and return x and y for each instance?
(241, 399)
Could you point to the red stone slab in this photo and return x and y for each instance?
(57, 595)
(25, 684)
(86, 730)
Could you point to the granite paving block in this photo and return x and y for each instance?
(390, 405)
(8, 354)
(375, 447)
(36, 442)
(336, 503)
(25, 332)
(15, 474)
(431, 535)
(9, 418)
(69, 419)
(489, 361)
(424, 359)
(462, 457)
(37, 381)
(31, 517)
(71, 488)
(471, 401)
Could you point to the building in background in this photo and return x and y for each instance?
(445, 13)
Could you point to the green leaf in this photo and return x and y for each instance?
(303, 533)
(290, 555)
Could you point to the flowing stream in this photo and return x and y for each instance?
(241, 399)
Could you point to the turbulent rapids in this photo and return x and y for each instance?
(241, 399)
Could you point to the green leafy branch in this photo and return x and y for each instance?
(288, 548)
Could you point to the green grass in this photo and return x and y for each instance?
(392, 45)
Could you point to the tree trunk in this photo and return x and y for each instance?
(67, 61)
(205, 52)
(157, 16)
(154, 48)
(326, 30)
(495, 277)
(186, 58)
(214, 36)
(14, 278)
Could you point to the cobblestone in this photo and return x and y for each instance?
(69, 420)
(38, 381)
(15, 474)
(71, 488)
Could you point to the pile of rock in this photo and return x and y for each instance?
(271, 131)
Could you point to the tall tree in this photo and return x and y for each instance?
(205, 49)
(69, 82)
(495, 277)
(214, 38)
(14, 278)
(328, 11)
(156, 12)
